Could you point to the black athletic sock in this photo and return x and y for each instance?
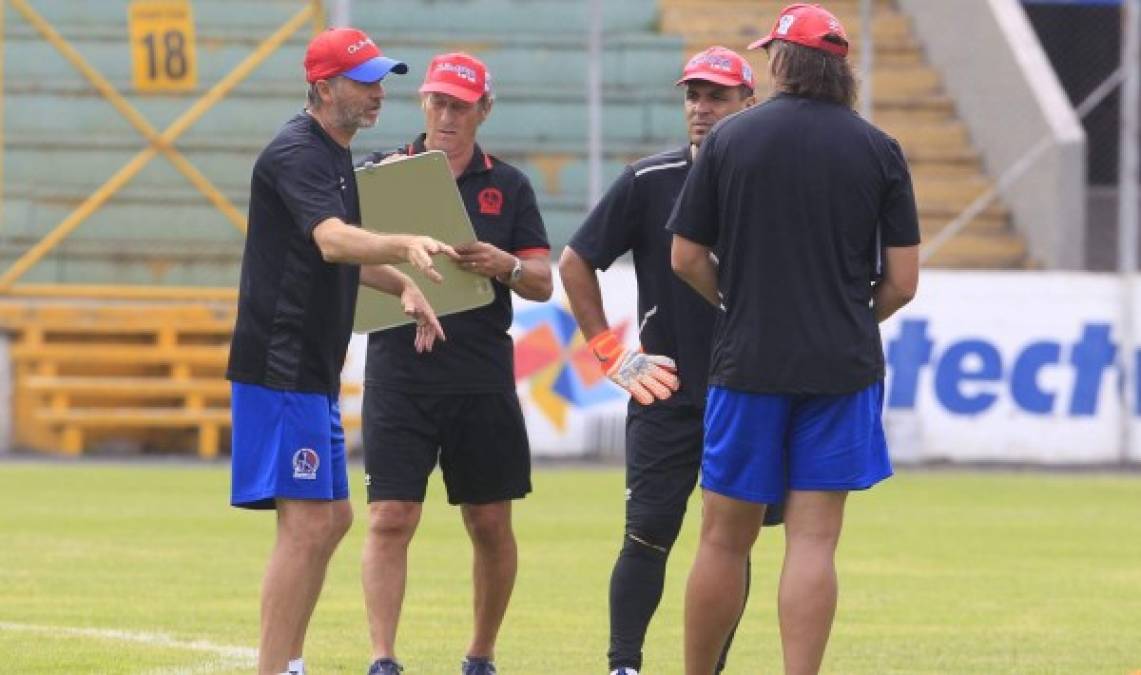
(635, 590)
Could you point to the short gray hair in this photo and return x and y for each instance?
(313, 96)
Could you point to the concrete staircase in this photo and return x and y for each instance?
(909, 103)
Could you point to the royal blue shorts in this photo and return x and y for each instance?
(760, 446)
(286, 445)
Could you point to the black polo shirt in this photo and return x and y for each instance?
(295, 311)
(675, 320)
(479, 355)
(794, 194)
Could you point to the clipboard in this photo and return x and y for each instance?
(417, 195)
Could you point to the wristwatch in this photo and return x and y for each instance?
(515, 274)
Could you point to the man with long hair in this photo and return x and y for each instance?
(811, 212)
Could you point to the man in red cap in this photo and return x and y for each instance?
(663, 427)
(299, 279)
(456, 406)
(811, 213)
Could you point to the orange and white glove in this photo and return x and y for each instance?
(648, 377)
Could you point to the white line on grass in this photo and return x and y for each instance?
(211, 666)
(227, 656)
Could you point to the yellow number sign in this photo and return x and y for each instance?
(162, 46)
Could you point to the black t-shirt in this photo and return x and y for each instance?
(478, 356)
(793, 194)
(675, 321)
(295, 311)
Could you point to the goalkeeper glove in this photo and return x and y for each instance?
(646, 376)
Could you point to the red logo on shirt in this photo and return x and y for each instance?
(490, 201)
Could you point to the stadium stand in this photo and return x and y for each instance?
(536, 51)
(909, 103)
(87, 371)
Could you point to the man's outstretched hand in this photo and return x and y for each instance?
(420, 251)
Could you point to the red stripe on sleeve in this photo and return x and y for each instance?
(533, 252)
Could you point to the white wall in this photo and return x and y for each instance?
(981, 367)
(1007, 367)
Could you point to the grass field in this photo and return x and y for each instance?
(129, 569)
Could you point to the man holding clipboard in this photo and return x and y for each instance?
(457, 404)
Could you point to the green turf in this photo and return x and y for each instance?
(939, 572)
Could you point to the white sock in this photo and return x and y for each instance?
(297, 666)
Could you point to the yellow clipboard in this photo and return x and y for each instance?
(417, 195)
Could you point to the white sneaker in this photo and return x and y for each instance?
(624, 671)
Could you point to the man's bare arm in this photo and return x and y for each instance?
(692, 262)
(585, 295)
(536, 283)
(899, 283)
(343, 243)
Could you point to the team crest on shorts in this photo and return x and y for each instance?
(305, 464)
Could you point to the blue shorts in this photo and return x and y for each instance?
(760, 446)
(286, 445)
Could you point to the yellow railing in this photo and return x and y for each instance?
(312, 12)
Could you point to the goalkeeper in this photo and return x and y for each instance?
(664, 424)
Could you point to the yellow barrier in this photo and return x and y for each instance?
(137, 372)
(104, 292)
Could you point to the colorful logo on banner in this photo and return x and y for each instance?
(552, 355)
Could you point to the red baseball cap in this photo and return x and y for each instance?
(810, 26)
(348, 52)
(719, 65)
(457, 74)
